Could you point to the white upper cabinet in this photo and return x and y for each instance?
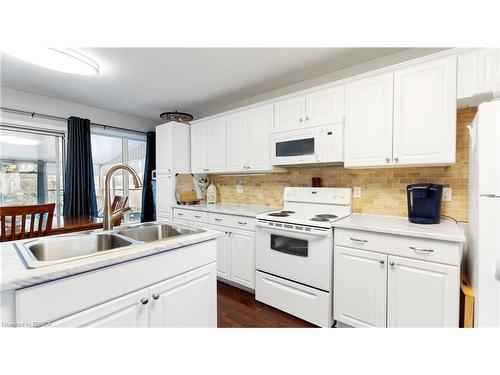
(247, 140)
(236, 142)
(487, 70)
(259, 126)
(173, 148)
(368, 121)
(322, 107)
(405, 118)
(216, 144)
(425, 113)
(208, 146)
(325, 107)
(289, 113)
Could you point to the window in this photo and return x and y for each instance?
(31, 168)
(111, 149)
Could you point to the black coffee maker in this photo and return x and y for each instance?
(424, 203)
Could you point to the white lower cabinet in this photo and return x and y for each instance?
(360, 287)
(379, 289)
(236, 255)
(422, 294)
(187, 300)
(127, 311)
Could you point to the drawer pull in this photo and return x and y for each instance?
(218, 219)
(420, 249)
(197, 216)
(242, 223)
(381, 261)
(358, 240)
(180, 214)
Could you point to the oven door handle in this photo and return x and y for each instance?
(316, 232)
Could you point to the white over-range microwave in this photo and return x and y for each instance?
(323, 144)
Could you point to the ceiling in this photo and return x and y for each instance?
(148, 81)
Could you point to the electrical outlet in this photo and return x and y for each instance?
(239, 187)
(357, 191)
(447, 194)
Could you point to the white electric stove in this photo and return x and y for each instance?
(294, 252)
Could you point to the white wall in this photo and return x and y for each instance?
(25, 101)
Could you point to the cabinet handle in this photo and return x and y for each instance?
(180, 214)
(197, 216)
(421, 249)
(396, 160)
(358, 240)
(392, 264)
(307, 118)
(144, 301)
(242, 223)
(156, 296)
(218, 219)
(300, 119)
(381, 261)
(387, 160)
(206, 169)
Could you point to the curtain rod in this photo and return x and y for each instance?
(57, 118)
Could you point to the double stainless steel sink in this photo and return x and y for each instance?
(65, 248)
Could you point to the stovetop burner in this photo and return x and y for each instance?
(283, 213)
(327, 216)
(319, 219)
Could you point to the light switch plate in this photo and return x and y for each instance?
(447, 194)
(357, 191)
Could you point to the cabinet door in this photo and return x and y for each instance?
(165, 198)
(325, 107)
(259, 126)
(187, 300)
(164, 162)
(487, 70)
(368, 122)
(124, 312)
(223, 253)
(199, 148)
(243, 258)
(425, 110)
(216, 144)
(236, 142)
(359, 287)
(289, 113)
(422, 294)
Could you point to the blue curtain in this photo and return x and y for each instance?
(79, 189)
(148, 212)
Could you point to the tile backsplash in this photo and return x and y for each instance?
(383, 190)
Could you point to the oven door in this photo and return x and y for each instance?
(304, 257)
(295, 147)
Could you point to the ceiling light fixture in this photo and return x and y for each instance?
(65, 60)
(18, 140)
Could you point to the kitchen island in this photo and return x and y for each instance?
(169, 282)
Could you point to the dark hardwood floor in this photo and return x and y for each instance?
(237, 308)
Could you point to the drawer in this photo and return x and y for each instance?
(233, 221)
(307, 303)
(191, 215)
(410, 247)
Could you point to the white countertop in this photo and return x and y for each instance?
(14, 274)
(447, 230)
(231, 209)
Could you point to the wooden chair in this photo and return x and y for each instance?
(118, 203)
(36, 213)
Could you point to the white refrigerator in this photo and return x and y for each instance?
(483, 259)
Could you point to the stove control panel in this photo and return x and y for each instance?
(340, 196)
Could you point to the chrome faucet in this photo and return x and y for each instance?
(110, 217)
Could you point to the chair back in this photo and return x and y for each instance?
(118, 202)
(38, 216)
